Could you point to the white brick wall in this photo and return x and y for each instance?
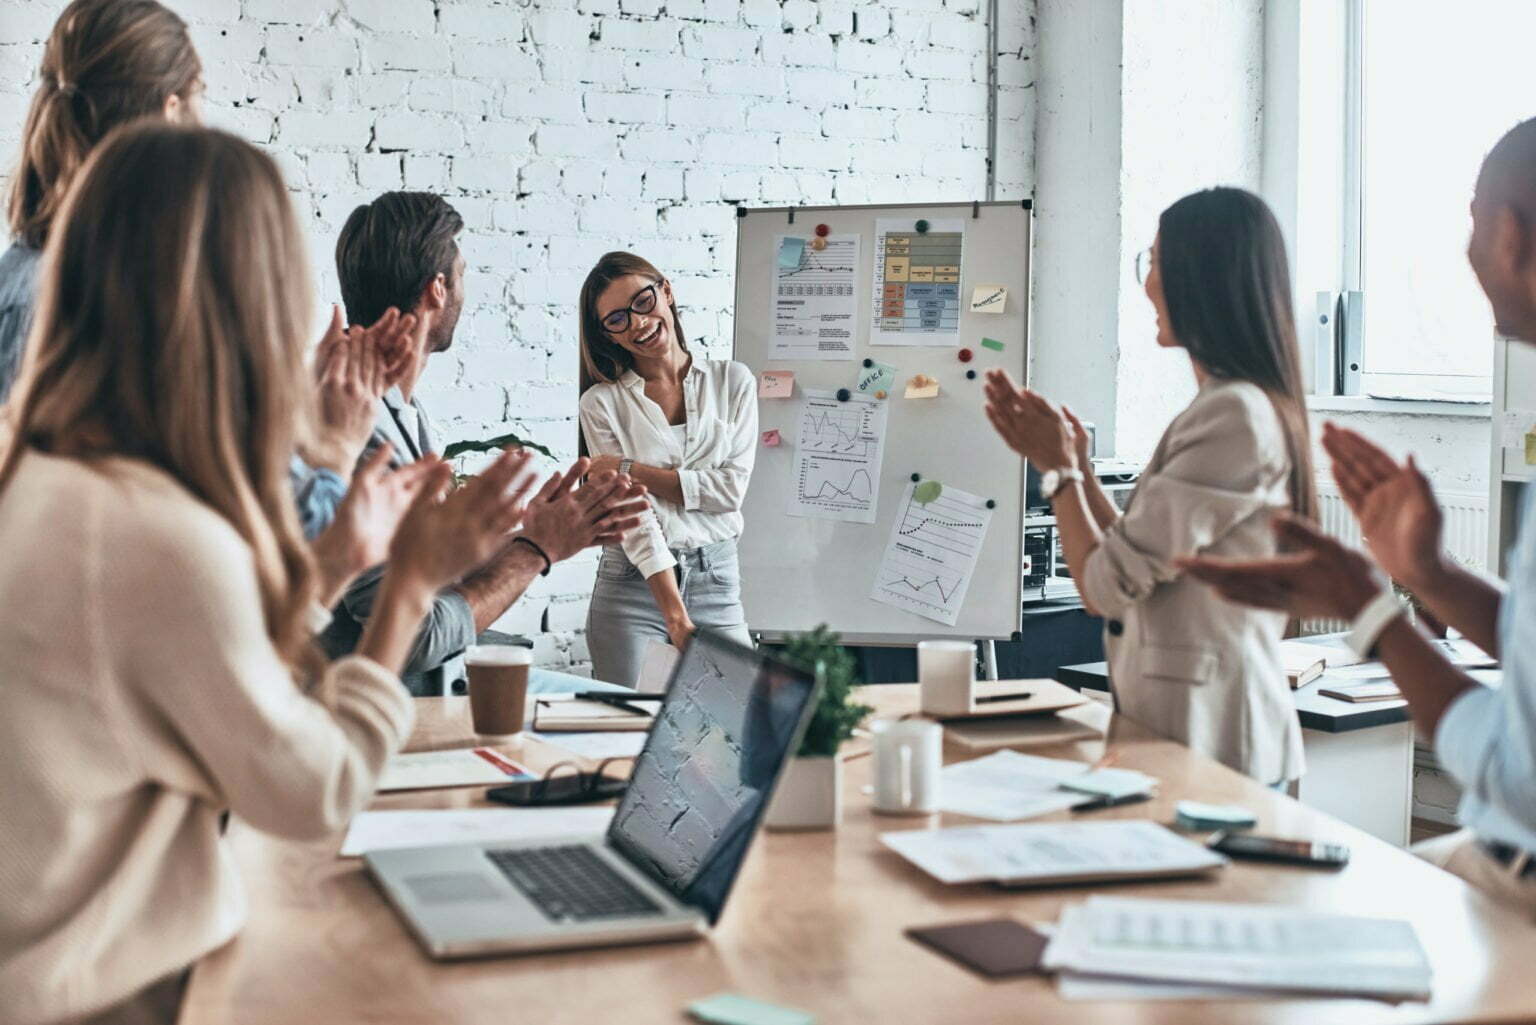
(563, 128)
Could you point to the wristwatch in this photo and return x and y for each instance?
(624, 466)
(1052, 481)
(1368, 626)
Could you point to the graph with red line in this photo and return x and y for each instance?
(932, 554)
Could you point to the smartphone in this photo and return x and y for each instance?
(1273, 848)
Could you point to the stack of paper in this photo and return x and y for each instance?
(1250, 946)
(1052, 852)
(1008, 785)
(461, 767)
(1303, 663)
(386, 830)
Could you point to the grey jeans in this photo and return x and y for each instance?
(623, 618)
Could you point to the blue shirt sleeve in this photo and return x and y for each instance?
(318, 492)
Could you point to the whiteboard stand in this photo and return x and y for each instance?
(989, 660)
(801, 570)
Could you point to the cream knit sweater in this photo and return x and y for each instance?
(139, 698)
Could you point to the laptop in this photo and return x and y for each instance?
(730, 720)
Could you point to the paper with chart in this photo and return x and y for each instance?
(815, 306)
(837, 460)
(932, 554)
(917, 282)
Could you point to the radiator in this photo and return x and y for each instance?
(1465, 533)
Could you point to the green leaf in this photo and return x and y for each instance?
(496, 444)
(836, 715)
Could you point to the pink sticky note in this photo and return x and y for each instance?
(771, 439)
(776, 384)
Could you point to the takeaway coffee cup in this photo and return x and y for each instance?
(498, 687)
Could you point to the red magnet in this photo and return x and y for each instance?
(823, 230)
(965, 355)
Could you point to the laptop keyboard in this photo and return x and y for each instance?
(571, 883)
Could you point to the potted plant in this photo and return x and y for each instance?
(810, 793)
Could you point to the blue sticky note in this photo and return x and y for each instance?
(790, 252)
(730, 1009)
(877, 377)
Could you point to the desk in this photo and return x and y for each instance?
(1359, 756)
(816, 922)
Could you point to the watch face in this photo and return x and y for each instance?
(1050, 480)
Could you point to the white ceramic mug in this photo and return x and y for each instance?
(946, 674)
(908, 755)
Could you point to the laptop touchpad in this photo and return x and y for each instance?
(451, 887)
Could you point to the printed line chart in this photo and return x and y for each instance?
(837, 458)
(814, 303)
(932, 554)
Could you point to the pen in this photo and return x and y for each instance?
(1109, 802)
(614, 697)
(1021, 696)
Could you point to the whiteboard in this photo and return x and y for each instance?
(800, 571)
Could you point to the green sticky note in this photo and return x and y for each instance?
(927, 491)
(879, 377)
(992, 343)
(1530, 447)
(730, 1009)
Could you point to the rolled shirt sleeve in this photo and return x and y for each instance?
(448, 629)
(1224, 461)
(317, 492)
(723, 487)
(646, 545)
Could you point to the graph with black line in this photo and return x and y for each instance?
(932, 554)
(837, 458)
(815, 304)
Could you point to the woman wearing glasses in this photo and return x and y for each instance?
(1182, 661)
(683, 426)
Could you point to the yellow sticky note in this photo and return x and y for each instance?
(989, 299)
(921, 386)
(1530, 447)
(776, 384)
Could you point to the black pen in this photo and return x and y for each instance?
(1021, 696)
(618, 699)
(1109, 802)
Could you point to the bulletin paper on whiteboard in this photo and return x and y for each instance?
(815, 306)
(932, 554)
(917, 282)
(837, 459)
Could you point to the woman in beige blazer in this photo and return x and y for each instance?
(1184, 662)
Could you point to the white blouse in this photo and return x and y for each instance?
(713, 457)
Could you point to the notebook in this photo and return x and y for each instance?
(572, 715)
(1371, 690)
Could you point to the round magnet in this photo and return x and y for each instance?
(880, 394)
(868, 363)
(927, 491)
(916, 477)
(970, 375)
(966, 355)
(991, 504)
(922, 227)
(822, 231)
(818, 243)
(842, 394)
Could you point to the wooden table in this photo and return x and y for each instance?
(816, 922)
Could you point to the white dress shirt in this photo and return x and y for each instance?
(1487, 737)
(713, 458)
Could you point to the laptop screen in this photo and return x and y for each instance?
(702, 782)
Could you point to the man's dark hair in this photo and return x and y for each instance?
(391, 249)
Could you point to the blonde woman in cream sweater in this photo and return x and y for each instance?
(158, 593)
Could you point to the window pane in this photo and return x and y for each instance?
(1442, 83)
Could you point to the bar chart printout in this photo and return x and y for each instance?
(837, 459)
(916, 293)
(814, 302)
(932, 554)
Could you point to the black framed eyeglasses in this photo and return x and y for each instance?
(1144, 265)
(617, 322)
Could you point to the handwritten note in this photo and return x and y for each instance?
(989, 299)
(921, 386)
(776, 384)
(772, 439)
(876, 378)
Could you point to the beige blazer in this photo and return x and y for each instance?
(1182, 661)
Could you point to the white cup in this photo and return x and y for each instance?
(908, 756)
(946, 674)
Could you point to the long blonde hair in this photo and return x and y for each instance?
(173, 303)
(106, 62)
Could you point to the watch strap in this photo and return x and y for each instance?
(1062, 479)
(1377, 615)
